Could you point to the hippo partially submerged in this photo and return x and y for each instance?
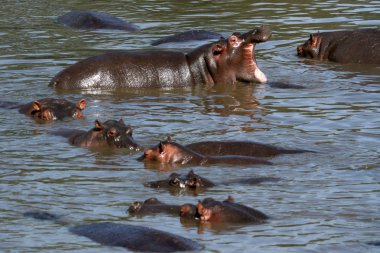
(173, 153)
(111, 133)
(227, 211)
(355, 46)
(193, 181)
(48, 109)
(132, 237)
(223, 62)
(94, 20)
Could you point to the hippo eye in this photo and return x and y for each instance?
(112, 132)
(174, 181)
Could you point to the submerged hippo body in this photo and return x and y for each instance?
(210, 210)
(132, 237)
(243, 148)
(194, 181)
(152, 206)
(111, 133)
(173, 153)
(188, 36)
(94, 20)
(51, 109)
(356, 46)
(225, 61)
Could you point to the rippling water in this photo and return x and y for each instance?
(326, 201)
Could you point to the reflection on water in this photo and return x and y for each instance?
(325, 201)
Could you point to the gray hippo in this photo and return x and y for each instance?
(132, 237)
(108, 134)
(356, 46)
(48, 109)
(94, 20)
(173, 153)
(223, 62)
(193, 181)
(227, 211)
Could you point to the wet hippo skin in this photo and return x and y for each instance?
(152, 206)
(355, 46)
(243, 148)
(132, 237)
(94, 20)
(194, 181)
(223, 62)
(210, 210)
(47, 109)
(188, 36)
(173, 153)
(111, 133)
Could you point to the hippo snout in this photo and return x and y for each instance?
(259, 34)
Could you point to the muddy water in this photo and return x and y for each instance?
(325, 201)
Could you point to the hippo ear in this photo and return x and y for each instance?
(313, 40)
(98, 125)
(81, 104)
(129, 131)
(37, 106)
(217, 49)
(112, 132)
(230, 199)
(161, 147)
(169, 139)
(121, 121)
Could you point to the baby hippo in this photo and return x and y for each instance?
(356, 46)
(174, 153)
(48, 109)
(111, 133)
(210, 210)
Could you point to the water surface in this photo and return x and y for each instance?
(325, 202)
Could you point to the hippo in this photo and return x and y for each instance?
(227, 211)
(111, 133)
(173, 153)
(349, 46)
(132, 237)
(94, 20)
(242, 148)
(193, 181)
(223, 62)
(188, 36)
(48, 109)
(152, 206)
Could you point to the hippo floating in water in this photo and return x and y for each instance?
(173, 153)
(242, 148)
(188, 36)
(132, 237)
(111, 133)
(94, 20)
(194, 181)
(152, 206)
(356, 46)
(223, 62)
(48, 109)
(210, 210)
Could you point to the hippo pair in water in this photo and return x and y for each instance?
(132, 237)
(356, 46)
(208, 210)
(48, 109)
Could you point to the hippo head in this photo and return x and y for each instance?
(113, 133)
(310, 48)
(167, 152)
(233, 59)
(195, 181)
(188, 211)
(52, 109)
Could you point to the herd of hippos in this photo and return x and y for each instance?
(225, 61)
